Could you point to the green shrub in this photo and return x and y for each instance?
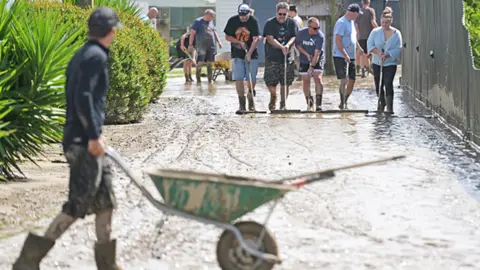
(472, 22)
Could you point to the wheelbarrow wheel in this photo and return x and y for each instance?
(231, 256)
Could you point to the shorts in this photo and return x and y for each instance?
(274, 73)
(363, 45)
(304, 68)
(341, 68)
(240, 69)
(90, 184)
(206, 54)
(181, 54)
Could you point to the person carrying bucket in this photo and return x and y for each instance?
(280, 33)
(385, 43)
(309, 43)
(243, 33)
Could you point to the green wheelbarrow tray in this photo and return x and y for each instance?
(219, 199)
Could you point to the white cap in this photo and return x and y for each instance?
(243, 9)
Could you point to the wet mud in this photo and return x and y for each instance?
(418, 213)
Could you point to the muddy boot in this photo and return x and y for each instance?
(190, 77)
(187, 79)
(210, 73)
(341, 106)
(198, 74)
(34, 250)
(105, 255)
(389, 104)
(381, 103)
(251, 103)
(319, 102)
(241, 101)
(273, 102)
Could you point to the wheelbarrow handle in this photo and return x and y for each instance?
(302, 180)
(112, 154)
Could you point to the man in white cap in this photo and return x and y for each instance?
(243, 33)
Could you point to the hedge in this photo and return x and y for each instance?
(472, 22)
(37, 41)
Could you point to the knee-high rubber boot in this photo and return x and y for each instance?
(381, 102)
(389, 104)
(210, 73)
(105, 255)
(198, 74)
(34, 250)
(319, 102)
(241, 102)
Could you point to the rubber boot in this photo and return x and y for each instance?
(319, 102)
(310, 104)
(341, 106)
(251, 103)
(390, 104)
(198, 74)
(210, 73)
(34, 250)
(105, 254)
(381, 103)
(187, 79)
(190, 77)
(241, 101)
(273, 102)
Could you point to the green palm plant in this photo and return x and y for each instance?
(32, 85)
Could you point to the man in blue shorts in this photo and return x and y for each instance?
(243, 32)
(344, 46)
(309, 43)
(203, 34)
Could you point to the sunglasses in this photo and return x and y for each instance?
(315, 28)
(282, 14)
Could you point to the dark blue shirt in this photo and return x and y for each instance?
(310, 43)
(86, 87)
(204, 36)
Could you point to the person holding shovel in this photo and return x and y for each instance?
(90, 183)
(182, 53)
(309, 43)
(243, 33)
(385, 43)
(280, 33)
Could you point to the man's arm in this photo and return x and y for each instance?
(318, 50)
(374, 19)
(302, 50)
(269, 32)
(192, 37)
(256, 37)
(90, 71)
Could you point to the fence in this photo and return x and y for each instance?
(437, 63)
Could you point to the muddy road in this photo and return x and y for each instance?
(418, 213)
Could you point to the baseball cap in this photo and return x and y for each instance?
(243, 10)
(355, 8)
(102, 20)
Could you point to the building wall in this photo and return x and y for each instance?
(224, 10)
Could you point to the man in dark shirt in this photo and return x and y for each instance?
(243, 32)
(90, 183)
(203, 33)
(280, 33)
(365, 23)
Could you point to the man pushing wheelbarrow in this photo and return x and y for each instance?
(90, 183)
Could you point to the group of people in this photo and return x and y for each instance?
(356, 37)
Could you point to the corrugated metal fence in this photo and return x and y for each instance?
(437, 65)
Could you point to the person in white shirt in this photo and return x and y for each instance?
(293, 13)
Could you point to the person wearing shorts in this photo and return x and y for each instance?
(280, 33)
(203, 33)
(344, 46)
(243, 32)
(309, 42)
(90, 179)
(181, 47)
(364, 24)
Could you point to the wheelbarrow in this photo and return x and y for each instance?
(220, 199)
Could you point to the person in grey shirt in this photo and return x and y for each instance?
(364, 25)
